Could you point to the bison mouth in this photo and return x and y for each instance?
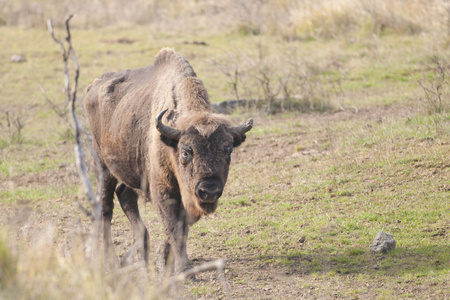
(208, 192)
(208, 208)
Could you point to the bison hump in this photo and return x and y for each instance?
(107, 91)
(168, 58)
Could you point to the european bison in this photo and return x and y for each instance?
(155, 133)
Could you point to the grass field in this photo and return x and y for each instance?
(364, 147)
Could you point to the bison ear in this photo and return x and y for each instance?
(169, 142)
(239, 132)
(239, 140)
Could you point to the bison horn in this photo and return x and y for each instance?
(243, 128)
(165, 130)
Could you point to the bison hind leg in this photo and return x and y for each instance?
(128, 200)
(108, 186)
(164, 263)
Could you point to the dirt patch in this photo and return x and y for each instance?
(66, 175)
(306, 134)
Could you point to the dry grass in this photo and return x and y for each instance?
(37, 269)
(98, 13)
(329, 19)
(287, 18)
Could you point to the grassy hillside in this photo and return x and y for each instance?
(351, 137)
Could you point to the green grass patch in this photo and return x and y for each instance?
(36, 193)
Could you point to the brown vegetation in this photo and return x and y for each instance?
(290, 19)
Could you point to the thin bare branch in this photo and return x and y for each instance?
(65, 58)
(85, 211)
(71, 95)
(61, 112)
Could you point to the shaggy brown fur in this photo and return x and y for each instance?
(183, 177)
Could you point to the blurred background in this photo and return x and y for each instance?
(290, 19)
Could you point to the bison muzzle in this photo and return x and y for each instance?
(154, 132)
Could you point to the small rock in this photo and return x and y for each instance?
(383, 243)
(296, 155)
(17, 58)
(376, 267)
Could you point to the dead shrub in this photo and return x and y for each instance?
(13, 122)
(272, 82)
(435, 84)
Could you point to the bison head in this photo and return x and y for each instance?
(202, 156)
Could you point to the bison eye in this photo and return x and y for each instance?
(186, 155)
(228, 151)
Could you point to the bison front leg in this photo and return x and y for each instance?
(176, 230)
(128, 200)
(180, 236)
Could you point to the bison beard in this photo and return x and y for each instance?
(155, 133)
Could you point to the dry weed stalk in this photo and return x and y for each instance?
(71, 95)
(15, 123)
(436, 89)
(60, 111)
(218, 265)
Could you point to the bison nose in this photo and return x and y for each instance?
(209, 190)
